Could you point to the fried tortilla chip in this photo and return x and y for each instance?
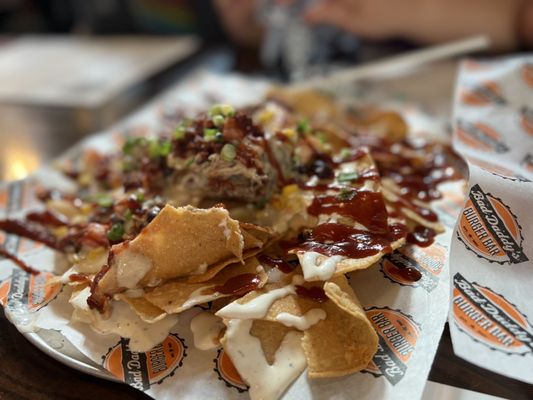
(178, 242)
(144, 309)
(351, 340)
(176, 296)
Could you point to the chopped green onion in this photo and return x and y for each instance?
(128, 214)
(261, 203)
(103, 200)
(116, 232)
(214, 110)
(228, 152)
(179, 133)
(221, 109)
(159, 148)
(139, 196)
(345, 153)
(346, 194)
(303, 126)
(322, 137)
(347, 176)
(226, 110)
(131, 143)
(218, 120)
(211, 134)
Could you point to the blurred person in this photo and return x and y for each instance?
(508, 23)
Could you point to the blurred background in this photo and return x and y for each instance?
(70, 67)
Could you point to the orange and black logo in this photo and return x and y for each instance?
(498, 170)
(527, 74)
(489, 229)
(398, 334)
(489, 318)
(527, 162)
(480, 137)
(526, 119)
(415, 266)
(483, 94)
(227, 373)
(142, 370)
(28, 292)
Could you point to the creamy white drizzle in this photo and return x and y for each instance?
(206, 328)
(197, 297)
(317, 266)
(258, 307)
(267, 382)
(122, 321)
(303, 322)
(200, 270)
(131, 267)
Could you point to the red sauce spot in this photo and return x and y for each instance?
(31, 231)
(239, 285)
(46, 218)
(422, 236)
(332, 239)
(79, 278)
(278, 263)
(408, 274)
(18, 261)
(315, 293)
(98, 299)
(365, 207)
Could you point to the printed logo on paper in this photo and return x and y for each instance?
(488, 318)
(481, 137)
(28, 292)
(527, 74)
(227, 372)
(142, 370)
(415, 266)
(526, 119)
(498, 170)
(483, 94)
(398, 334)
(488, 228)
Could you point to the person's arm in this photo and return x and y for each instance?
(428, 21)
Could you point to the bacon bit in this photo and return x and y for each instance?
(98, 299)
(18, 261)
(79, 278)
(95, 235)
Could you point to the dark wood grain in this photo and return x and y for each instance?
(27, 373)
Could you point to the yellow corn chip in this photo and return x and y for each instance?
(351, 341)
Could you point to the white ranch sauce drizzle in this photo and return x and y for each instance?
(206, 328)
(124, 322)
(258, 307)
(197, 297)
(317, 266)
(303, 322)
(131, 267)
(267, 382)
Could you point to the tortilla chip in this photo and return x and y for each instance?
(144, 309)
(270, 334)
(255, 238)
(351, 340)
(176, 296)
(177, 243)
